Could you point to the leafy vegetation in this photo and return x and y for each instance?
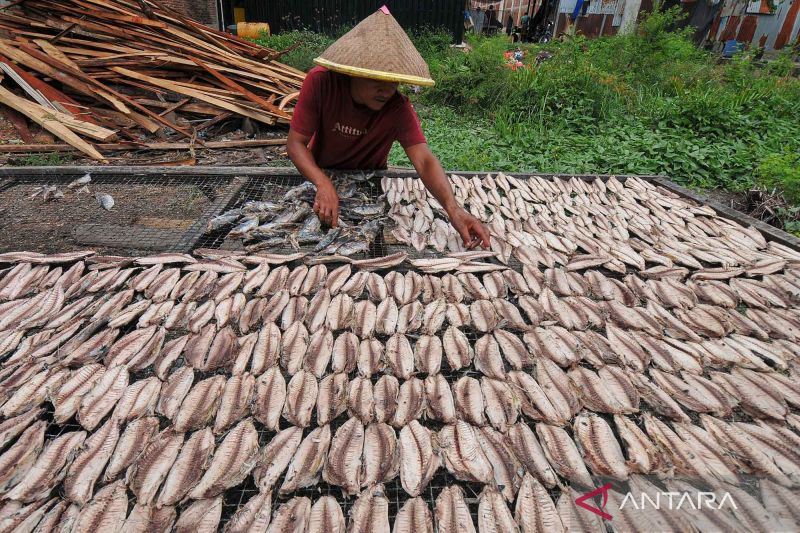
(646, 103)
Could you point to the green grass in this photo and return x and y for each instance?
(646, 103)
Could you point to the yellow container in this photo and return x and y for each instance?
(239, 15)
(251, 30)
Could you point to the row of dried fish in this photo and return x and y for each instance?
(357, 457)
(586, 224)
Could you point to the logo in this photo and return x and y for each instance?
(348, 131)
(581, 502)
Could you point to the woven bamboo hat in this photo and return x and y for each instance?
(379, 49)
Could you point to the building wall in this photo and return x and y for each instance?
(755, 23)
(204, 11)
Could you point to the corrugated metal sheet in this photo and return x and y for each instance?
(329, 16)
(602, 17)
(757, 23)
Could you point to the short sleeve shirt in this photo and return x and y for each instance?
(345, 135)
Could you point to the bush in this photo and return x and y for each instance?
(305, 45)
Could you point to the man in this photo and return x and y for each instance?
(349, 113)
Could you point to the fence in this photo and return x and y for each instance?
(330, 16)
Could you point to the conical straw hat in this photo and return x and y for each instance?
(379, 49)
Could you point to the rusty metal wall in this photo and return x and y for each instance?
(329, 16)
(602, 17)
(754, 22)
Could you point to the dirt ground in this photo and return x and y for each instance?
(49, 227)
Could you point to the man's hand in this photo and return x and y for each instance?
(326, 204)
(470, 229)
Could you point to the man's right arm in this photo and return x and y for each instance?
(326, 205)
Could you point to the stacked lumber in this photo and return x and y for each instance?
(121, 70)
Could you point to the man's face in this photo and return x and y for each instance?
(372, 93)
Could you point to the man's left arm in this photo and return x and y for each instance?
(433, 176)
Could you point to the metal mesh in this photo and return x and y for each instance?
(151, 212)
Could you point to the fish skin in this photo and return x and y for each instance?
(452, 513)
(343, 466)
(301, 396)
(457, 348)
(469, 400)
(293, 516)
(146, 518)
(201, 516)
(337, 278)
(275, 457)
(226, 286)
(386, 393)
(535, 511)
(410, 402)
(90, 462)
(462, 453)
(275, 306)
(487, 358)
(232, 462)
(419, 457)
(494, 515)
(400, 356)
(344, 357)
(332, 398)
(295, 311)
(254, 516)
(600, 448)
(200, 405)
(306, 465)
(253, 314)
(562, 454)
(370, 512)
(269, 399)
(187, 470)
(295, 280)
(17, 459)
(506, 467)
(500, 402)
(122, 351)
(361, 400)
(317, 310)
(139, 399)
(525, 446)
(145, 475)
(68, 397)
(267, 350)
(235, 402)
(244, 354)
(370, 357)
(102, 398)
(387, 314)
(643, 456)
(376, 287)
(106, 511)
(168, 355)
(130, 445)
(428, 354)
(414, 517)
(49, 468)
(294, 345)
(439, 402)
(364, 317)
(484, 316)
(380, 460)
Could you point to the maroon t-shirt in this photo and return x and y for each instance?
(346, 135)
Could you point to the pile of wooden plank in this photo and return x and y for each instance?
(117, 71)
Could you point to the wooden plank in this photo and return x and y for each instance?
(43, 117)
(99, 88)
(55, 53)
(241, 110)
(236, 87)
(19, 122)
(164, 146)
(50, 92)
